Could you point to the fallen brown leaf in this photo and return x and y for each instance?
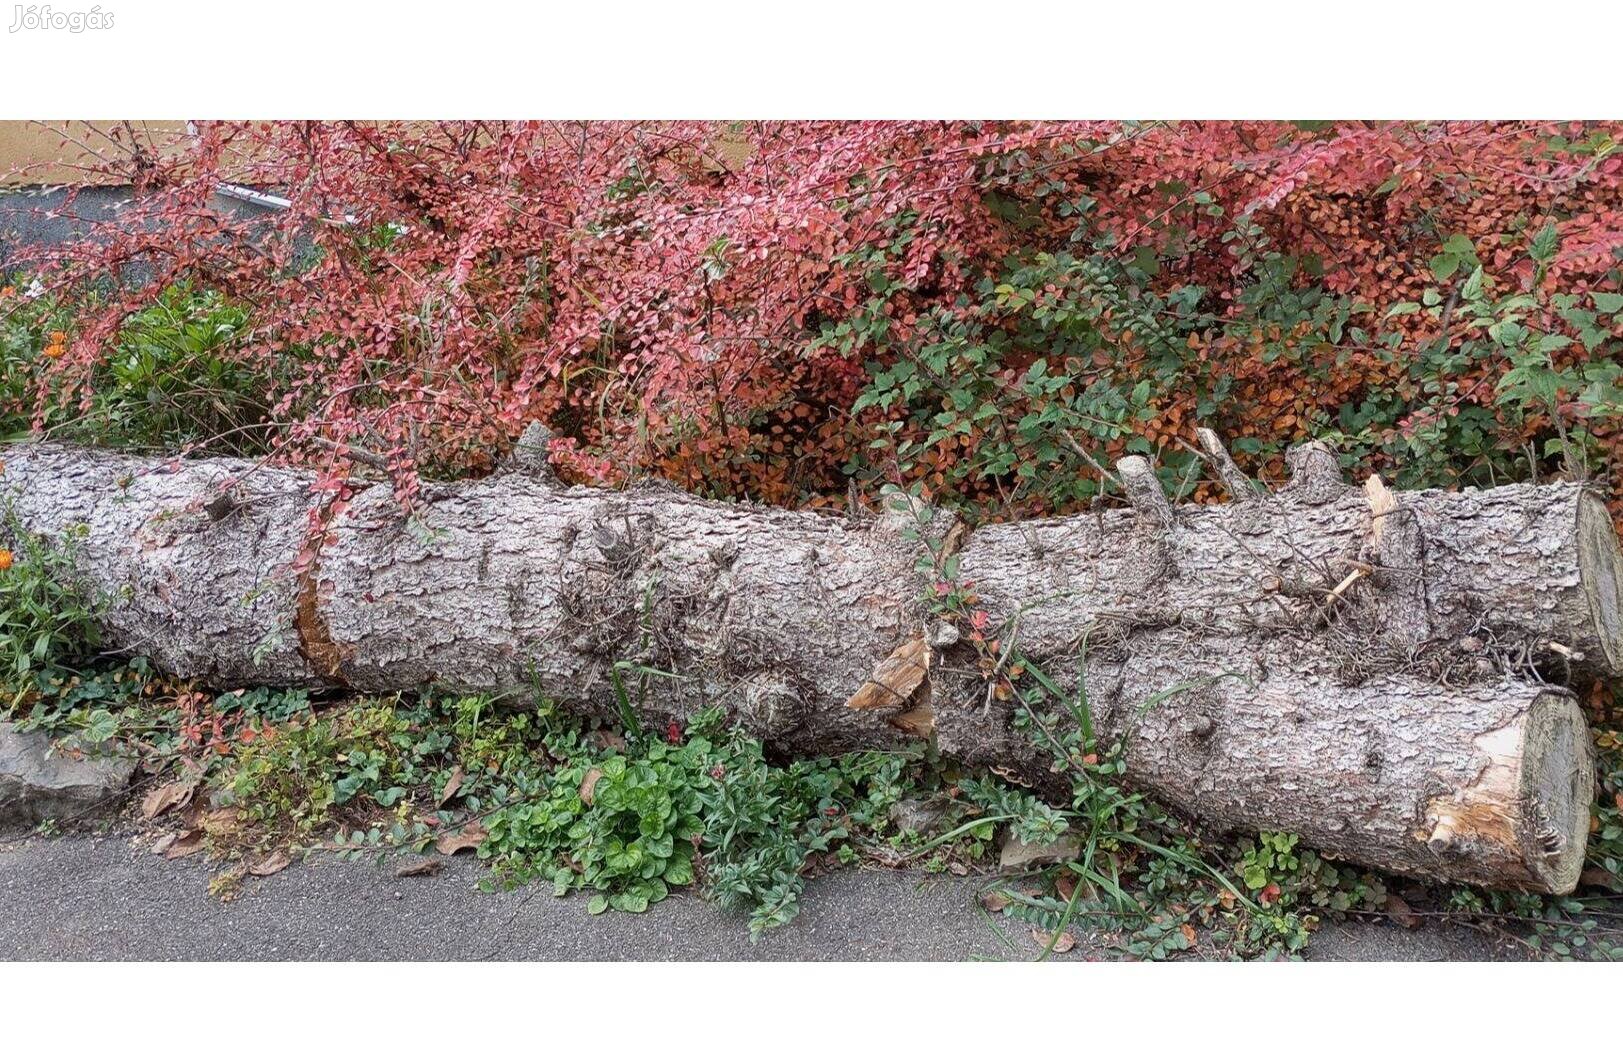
(589, 784)
(1398, 910)
(185, 843)
(422, 867)
(168, 796)
(1066, 886)
(275, 863)
(1063, 944)
(453, 783)
(608, 739)
(994, 900)
(161, 846)
(220, 822)
(455, 841)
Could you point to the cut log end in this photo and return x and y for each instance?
(1557, 787)
(1240, 488)
(1524, 819)
(1600, 570)
(1144, 490)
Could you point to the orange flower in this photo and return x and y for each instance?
(6, 292)
(59, 337)
(5, 559)
(53, 351)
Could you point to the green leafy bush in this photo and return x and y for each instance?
(167, 384)
(764, 823)
(629, 825)
(27, 328)
(47, 617)
(293, 777)
(167, 380)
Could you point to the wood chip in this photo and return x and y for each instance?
(1381, 504)
(918, 722)
(896, 678)
(423, 867)
(275, 863)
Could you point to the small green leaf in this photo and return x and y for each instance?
(1546, 243)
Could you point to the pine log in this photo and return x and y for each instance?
(1488, 782)
(1521, 574)
(1304, 661)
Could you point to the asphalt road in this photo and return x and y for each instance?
(108, 898)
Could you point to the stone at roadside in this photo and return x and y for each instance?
(1016, 854)
(37, 785)
(919, 815)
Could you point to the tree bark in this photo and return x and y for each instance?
(1361, 668)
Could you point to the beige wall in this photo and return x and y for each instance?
(59, 152)
(62, 152)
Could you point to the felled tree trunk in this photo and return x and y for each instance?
(1358, 667)
(1488, 782)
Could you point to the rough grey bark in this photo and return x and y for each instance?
(1489, 782)
(505, 584)
(1297, 661)
(1518, 574)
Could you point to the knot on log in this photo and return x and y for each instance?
(530, 454)
(1315, 473)
(770, 706)
(907, 515)
(222, 505)
(618, 547)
